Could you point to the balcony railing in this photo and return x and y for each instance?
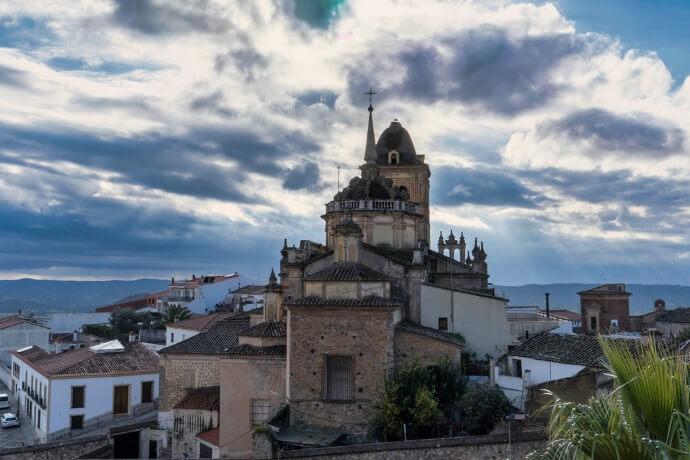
(373, 205)
(36, 397)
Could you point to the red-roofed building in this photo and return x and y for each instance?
(19, 331)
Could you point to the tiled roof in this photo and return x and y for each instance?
(201, 322)
(581, 350)
(607, 289)
(82, 362)
(266, 329)
(677, 315)
(430, 332)
(251, 289)
(134, 304)
(347, 271)
(211, 436)
(204, 398)
(251, 350)
(369, 301)
(220, 338)
(400, 255)
(567, 315)
(14, 320)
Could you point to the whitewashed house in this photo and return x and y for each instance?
(545, 357)
(82, 388)
(19, 331)
(201, 294)
(182, 330)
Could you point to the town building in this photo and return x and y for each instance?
(71, 341)
(83, 388)
(549, 357)
(19, 331)
(201, 294)
(670, 323)
(182, 330)
(605, 309)
(647, 322)
(144, 304)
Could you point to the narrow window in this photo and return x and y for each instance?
(517, 368)
(593, 323)
(172, 337)
(76, 422)
(189, 378)
(260, 411)
(78, 397)
(146, 392)
(338, 379)
(443, 324)
(38, 420)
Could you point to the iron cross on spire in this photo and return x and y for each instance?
(371, 94)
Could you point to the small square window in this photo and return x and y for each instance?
(76, 422)
(261, 410)
(78, 397)
(443, 324)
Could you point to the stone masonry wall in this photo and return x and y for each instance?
(410, 347)
(366, 335)
(462, 448)
(172, 376)
(56, 450)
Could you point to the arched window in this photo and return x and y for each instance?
(393, 157)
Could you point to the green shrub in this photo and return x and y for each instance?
(481, 407)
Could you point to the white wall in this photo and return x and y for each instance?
(60, 323)
(482, 320)
(98, 396)
(174, 335)
(40, 381)
(20, 336)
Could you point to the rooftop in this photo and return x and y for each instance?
(134, 358)
(204, 398)
(201, 322)
(266, 329)
(677, 315)
(581, 350)
(13, 320)
(211, 436)
(432, 333)
(347, 271)
(137, 304)
(250, 289)
(369, 301)
(606, 289)
(220, 338)
(399, 255)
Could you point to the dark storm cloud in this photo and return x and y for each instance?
(157, 18)
(304, 176)
(482, 67)
(610, 132)
(13, 77)
(456, 186)
(179, 165)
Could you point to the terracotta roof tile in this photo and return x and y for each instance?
(211, 436)
(677, 315)
(13, 320)
(222, 336)
(430, 332)
(201, 322)
(134, 359)
(347, 271)
(204, 398)
(369, 301)
(251, 350)
(266, 329)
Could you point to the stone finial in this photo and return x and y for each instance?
(468, 260)
(462, 238)
(272, 279)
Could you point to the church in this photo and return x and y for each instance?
(348, 310)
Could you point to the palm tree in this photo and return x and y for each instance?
(176, 313)
(645, 417)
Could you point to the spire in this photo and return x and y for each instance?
(462, 238)
(272, 279)
(370, 148)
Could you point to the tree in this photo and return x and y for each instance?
(123, 321)
(481, 407)
(645, 417)
(683, 336)
(176, 313)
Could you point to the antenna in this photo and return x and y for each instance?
(338, 179)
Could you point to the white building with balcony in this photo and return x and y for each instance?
(71, 392)
(201, 294)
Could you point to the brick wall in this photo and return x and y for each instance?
(461, 448)
(410, 346)
(366, 335)
(172, 374)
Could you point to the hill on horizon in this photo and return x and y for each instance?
(564, 295)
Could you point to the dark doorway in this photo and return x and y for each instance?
(153, 448)
(121, 400)
(205, 451)
(126, 445)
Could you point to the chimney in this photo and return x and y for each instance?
(132, 336)
(548, 315)
(75, 336)
(19, 312)
(172, 280)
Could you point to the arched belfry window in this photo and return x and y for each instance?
(393, 157)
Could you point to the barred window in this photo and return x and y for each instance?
(443, 324)
(260, 410)
(338, 379)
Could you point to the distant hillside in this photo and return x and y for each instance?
(50, 296)
(565, 295)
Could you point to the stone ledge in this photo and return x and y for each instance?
(524, 436)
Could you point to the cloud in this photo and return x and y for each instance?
(12, 77)
(614, 133)
(482, 67)
(304, 176)
(455, 186)
(319, 14)
(156, 18)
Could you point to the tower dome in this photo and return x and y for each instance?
(395, 138)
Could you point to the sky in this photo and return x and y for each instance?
(165, 138)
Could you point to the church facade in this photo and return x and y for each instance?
(373, 296)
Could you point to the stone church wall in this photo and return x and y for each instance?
(172, 369)
(410, 346)
(367, 335)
